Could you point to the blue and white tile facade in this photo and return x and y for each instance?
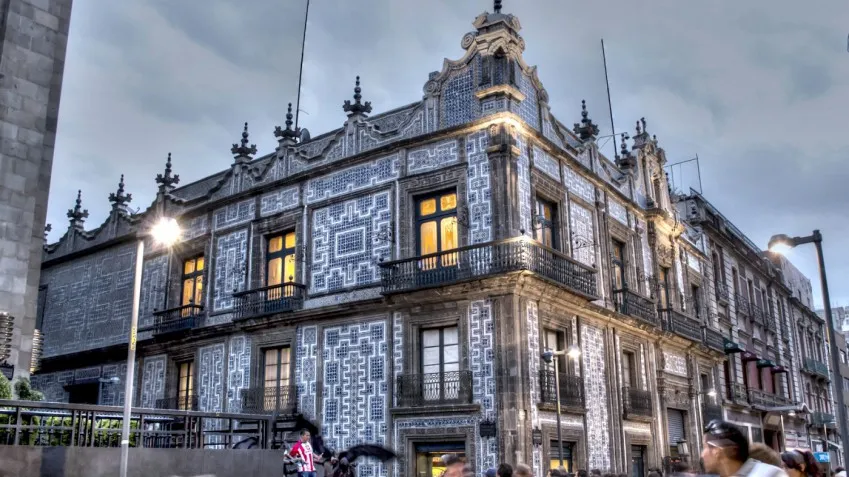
(153, 380)
(280, 200)
(196, 227)
(595, 386)
(432, 157)
(230, 268)
(547, 164)
(306, 369)
(478, 192)
(210, 378)
(356, 388)
(533, 377)
(523, 173)
(578, 185)
(397, 346)
(583, 234)
(529, 108)
(352, 179)
(234, 214)
(238, 371)
(482, 354)
(345, 251)
(154, 275)
(617, 211)
(459, 104)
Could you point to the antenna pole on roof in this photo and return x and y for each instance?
(699, 170)
(609, 103)
(301, 71)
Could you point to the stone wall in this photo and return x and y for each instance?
(33, 39)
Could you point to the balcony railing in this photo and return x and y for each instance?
(636, 306)
(711, 412)
(820, 419)
(722, 293)
(282, 400)
(637, 402)
(714, 340)
(571, 389)
(758, 315)
(491, 258)
(816, 368)
(739, 393)
(452, 387)
(765, 399)
(178, 403)
(681, 324)
(742, 304)
(269, 300)
(178, 319)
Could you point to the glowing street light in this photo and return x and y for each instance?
(573, 352)
(166, 231)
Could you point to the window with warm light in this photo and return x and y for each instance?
(193, 281)
(186, 385)
(436, 228)
(280, 259)
(545, 230)
(618, 262)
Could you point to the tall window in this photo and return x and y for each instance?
(441, 363)
(276, 362)
(663, 285)
(193, 281)
(281, 263)
(556, 341)
(629, 369)
(696, 300)
(436, 225)
(186, 386)
(546, 220)
(618, 261)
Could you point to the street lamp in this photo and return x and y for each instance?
(781, 243)
(166, 231)
(573, 352)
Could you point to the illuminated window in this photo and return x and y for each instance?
(186, 386)
(281, 264)
(618, 261)
(276, 362)
(193, 281)
(546, 221)
(556, 456)
(436, 228)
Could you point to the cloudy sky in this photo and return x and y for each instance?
(760, 92)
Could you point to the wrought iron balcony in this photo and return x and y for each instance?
(722, 293)
(739, 393)
(758, 315)
(765, 399)
(452, 387)
(742, 304)
(571, 389)
(487, 259)
(269, 300)
(815, 368)
(178, 403)
(711, 412)
(637, 402)
(636, 306)
(820, 419)
(714, 340)
(682, 325)
(178, 319)
(282, 400)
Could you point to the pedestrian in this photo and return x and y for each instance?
(840, 472)
(582, 473)
(455, 467)
(726, 453)
(796, 463)
(522, 470)
(302, 451)
(504, 470)
(764, 453)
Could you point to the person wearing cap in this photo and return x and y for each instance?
(726, 453)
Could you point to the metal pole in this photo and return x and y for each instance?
(609, 102)
(557, 396)
(783, 443)
(301, 71)
(835, 356)
(131, 359)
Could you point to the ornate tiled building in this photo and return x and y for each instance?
(399, 279)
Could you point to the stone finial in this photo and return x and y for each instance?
(586, 129)
(242, 149)
(497, 6)
(642, 136)
(47, 229)
(624, 146)
(288, 133)
(77, 215)
(120, 199)
(167, 181)
(357, 107)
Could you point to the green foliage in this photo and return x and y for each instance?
(5, 387)
(26, 392)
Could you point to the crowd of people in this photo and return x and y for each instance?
(726, 452)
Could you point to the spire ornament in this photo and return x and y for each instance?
(167, 181)
(357, 107)
(497, 6)
(642, 137)
(586, 129)
(243, 150)
(287, 134)
(118, 198)
(77, 215)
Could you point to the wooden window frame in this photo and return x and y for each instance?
(281, 254)
(193, 276)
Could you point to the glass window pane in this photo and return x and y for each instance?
(448, 202)
(451, 354)
(427, 207)
(432, 369)
(430, 356)
(199, 264)
(430, 338)
(275, 272)
(275, 244)
(451, 367)
(427, 238)
(450, 335)
(290, 240)
(188, 291)
(191, 387)
(449, 233)
(285, 354)
(199, 290)
(289, 268)
(188, 267)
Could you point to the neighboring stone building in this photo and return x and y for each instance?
(398, 280)
(33, 41)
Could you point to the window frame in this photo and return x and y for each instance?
(279, 365)
(437, 217)
(281, 254)
(663, 299)
(541, 224)
(184, 401)
(193, 276)
(620, 263)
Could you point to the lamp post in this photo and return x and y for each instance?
(166, 232)
(781, 243)
(548, 356)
